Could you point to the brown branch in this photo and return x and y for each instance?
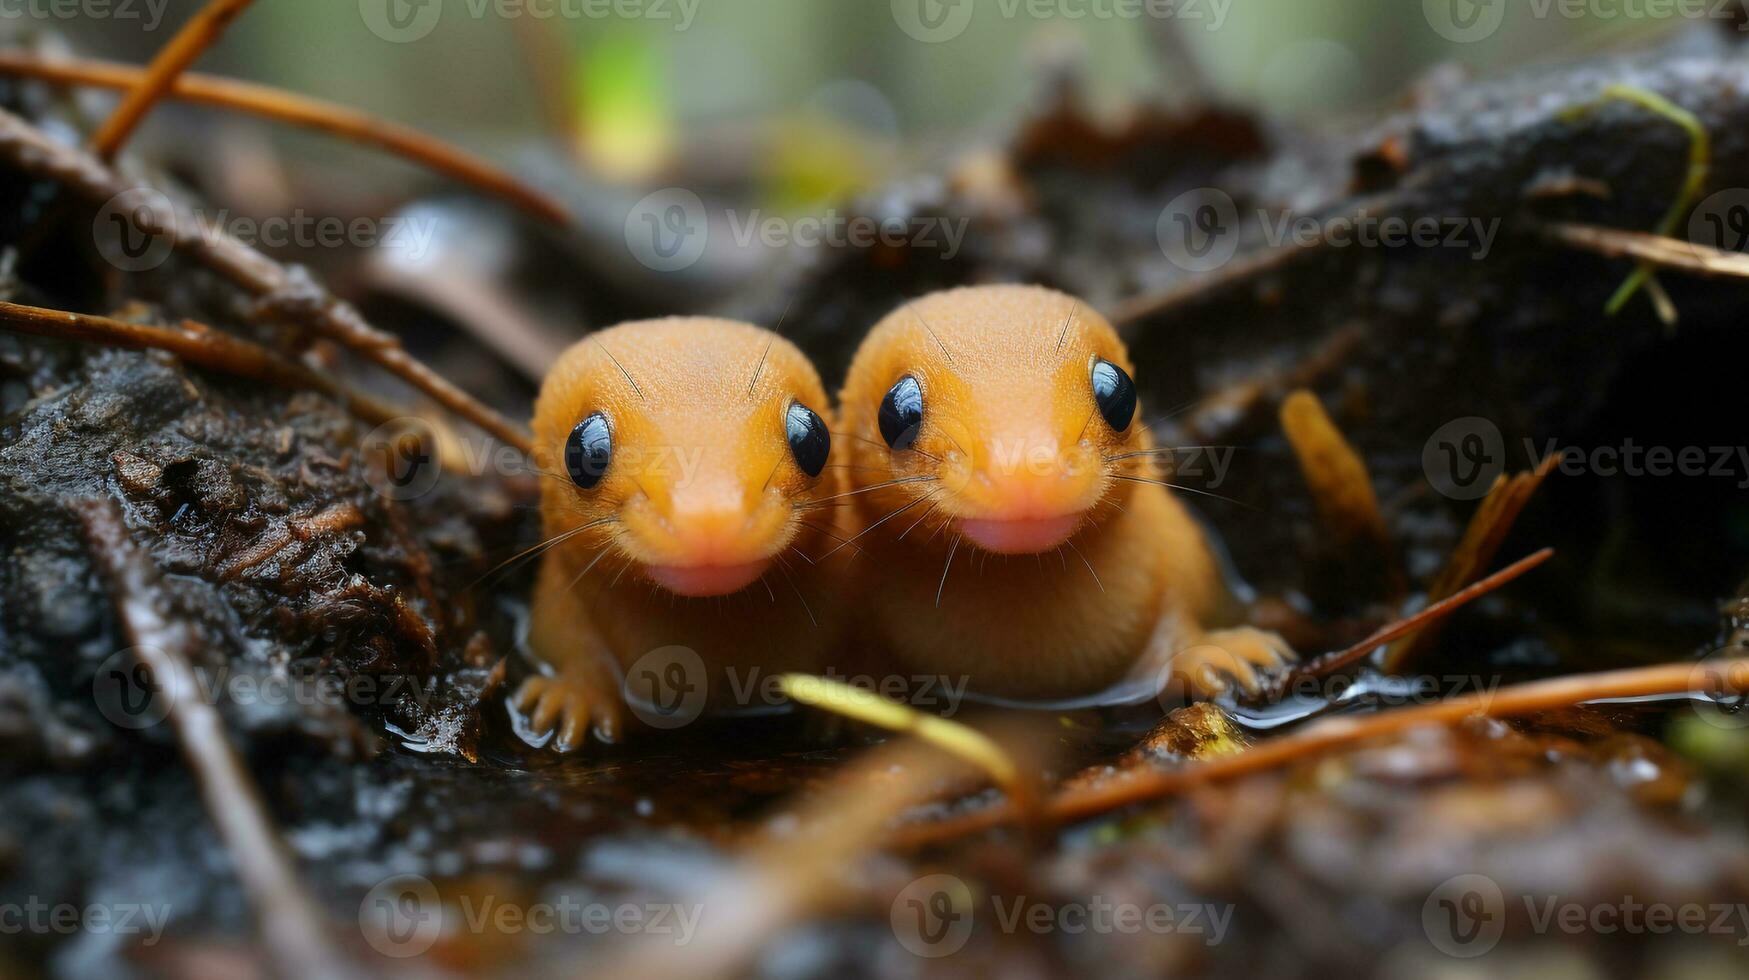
(289, 291)
(292, 927)
(1445, 606)
(287, 107)
(1139, 786)
(189, 43)
(194, 344)
(1658, 250)
(1481, 542)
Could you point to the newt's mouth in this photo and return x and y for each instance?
(698, 581)
(1020, 536)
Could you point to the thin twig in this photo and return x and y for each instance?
(289, 291)
(1089, 800)
(1332, 662)
(291, 925)
(200, 33)
(298, 110)
(195, 344)
(1658, 250)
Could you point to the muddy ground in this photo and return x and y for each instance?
(284, 561)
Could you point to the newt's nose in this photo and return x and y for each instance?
(711, 541)
(1028, 495)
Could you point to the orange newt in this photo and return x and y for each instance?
(689, 469)
(1010, 502)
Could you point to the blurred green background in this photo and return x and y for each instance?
(625, 91)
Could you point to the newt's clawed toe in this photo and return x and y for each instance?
(1225, 657)
(557, 712)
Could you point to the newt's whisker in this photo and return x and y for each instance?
(889, 516)
(541, 548)
(879, 486)
(783, 567)
(951, 551)
(1180, 486)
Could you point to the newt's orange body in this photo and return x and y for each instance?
(1002, 483)
(686, 460)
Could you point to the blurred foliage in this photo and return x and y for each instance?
(640, 87)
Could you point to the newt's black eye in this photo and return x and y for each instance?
(809, 441)
(901, 415)
(1115, 394)
(589, 450)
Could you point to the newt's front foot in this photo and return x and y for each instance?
(558, 711)
(1209, 668)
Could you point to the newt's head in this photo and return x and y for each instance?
(1008, 411)
(687, 447)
